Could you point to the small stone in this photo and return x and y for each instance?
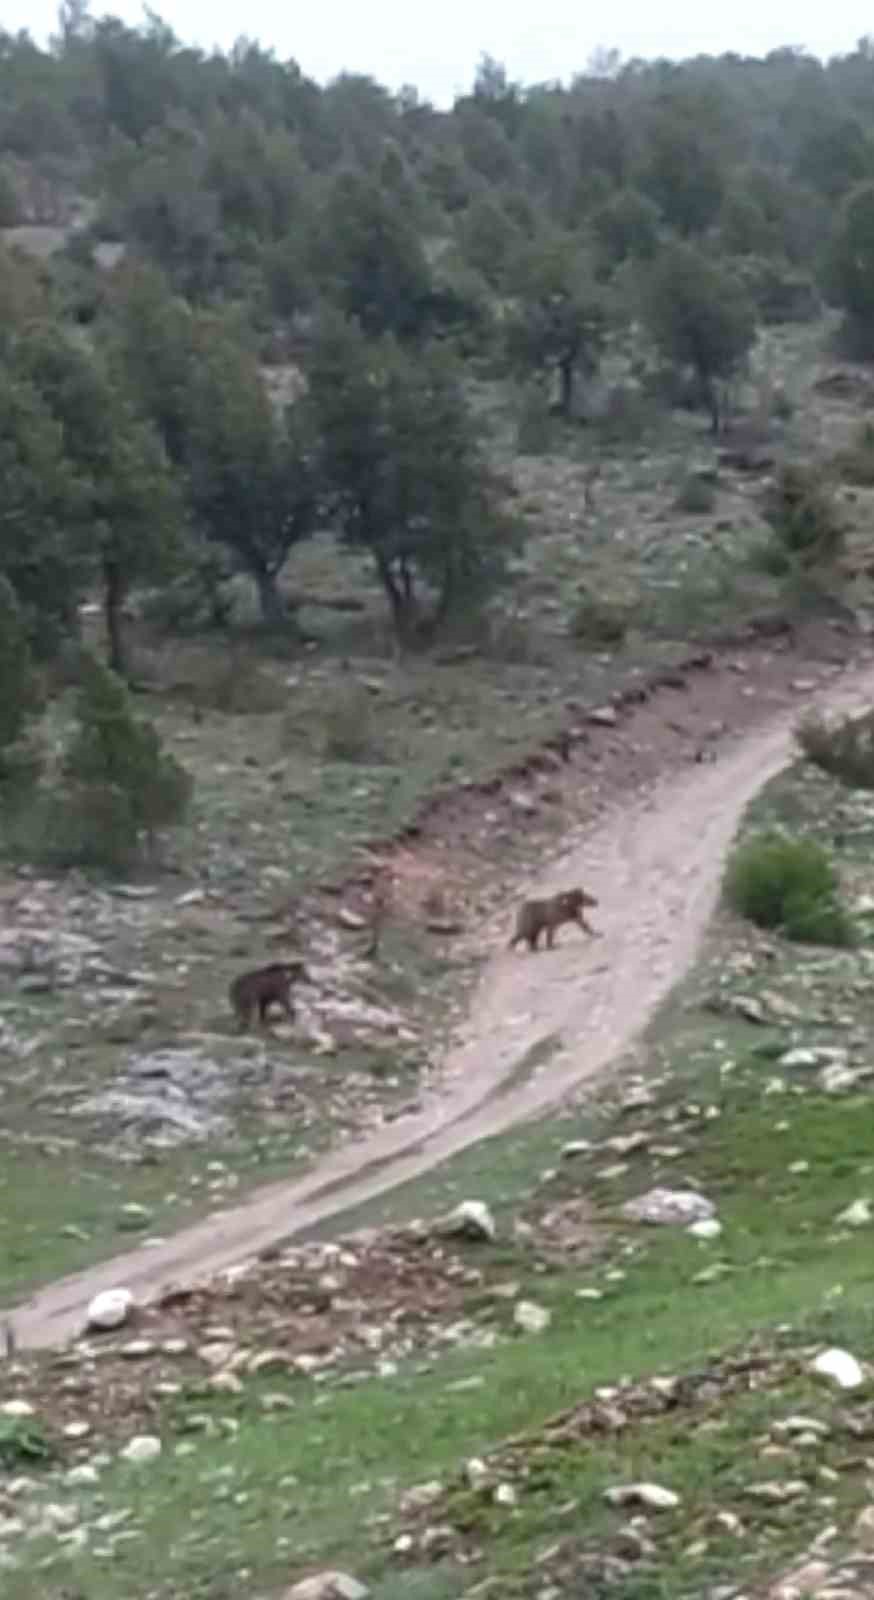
(857, 1215)
(421, 1495)
(863, 1528)
(842, 1368)
(17, 1408)
(109, 1309)
(604, 716)
(660, 1205)
(476, 1472)
(530, 1317)
(802, 1581)
(651, 1495)
(142, 1448)
(472, 1219)
(81, 1476)
(575, 1147)
(328, 1586)
(137, 1349)
(799, 1424)
(505, 1495)
(837, 1079)
(705, 1228)
(818, 1055)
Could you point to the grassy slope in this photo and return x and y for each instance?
(292, 776)
(780, 1158)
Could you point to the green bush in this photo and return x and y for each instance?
(599, 622)
(84, 825)
(21, 697)
(790, 885)
(855, 464)
(696, 495)
(845, 750)
(117, 782)
(801, 510)
(348, 730)
(23, 1444)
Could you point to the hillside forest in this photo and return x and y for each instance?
(278, 361)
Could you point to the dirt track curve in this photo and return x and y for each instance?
(655, 865)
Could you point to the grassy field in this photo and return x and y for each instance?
(305, 751)
(255, 1490)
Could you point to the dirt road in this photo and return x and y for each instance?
(655, 865)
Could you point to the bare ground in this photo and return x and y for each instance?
(654, 858)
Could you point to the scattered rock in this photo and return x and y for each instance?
(837, 1079)
(802, 1581)
(169, 1097)
(817, 1055)
(328, 1586)
(530, 1317)
(705, 1228)
(838, 1365)
(669, 1206)
(110, 1309)
(857, 1215)
(472, 1219)
(863, 1528)
(142, 1448)
(651, 1495)
(422, 1495)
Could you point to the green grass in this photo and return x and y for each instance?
(779, 1157)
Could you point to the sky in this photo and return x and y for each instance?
(437, 49)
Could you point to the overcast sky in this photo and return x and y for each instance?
(437, 47)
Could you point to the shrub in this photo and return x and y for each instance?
(802, 513)
(696, 495)
(788, 884)
(845, 750)
(23, 1443)
(235, 684)
(596, 621)
(856, 463)
(117, 782)
(348, 732)
(20, 699)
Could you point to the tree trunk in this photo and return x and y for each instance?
(566, 389)
(114, 591)
(711, 400)
(273, 612)
(402, 600)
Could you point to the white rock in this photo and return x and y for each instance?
(857, 1215)
(328, 1586)
(837, 1078)
(817, 1055)
(421, 1495)
(705, 1228)
(83, 1474)
(842, 1368)
(652, 1495)
(17, 1408)
(476, 1472)
(142, 1448)
(505, 1495)
(669, 1205)
(532, 1318)
(109, 1309)
(473, 1219)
